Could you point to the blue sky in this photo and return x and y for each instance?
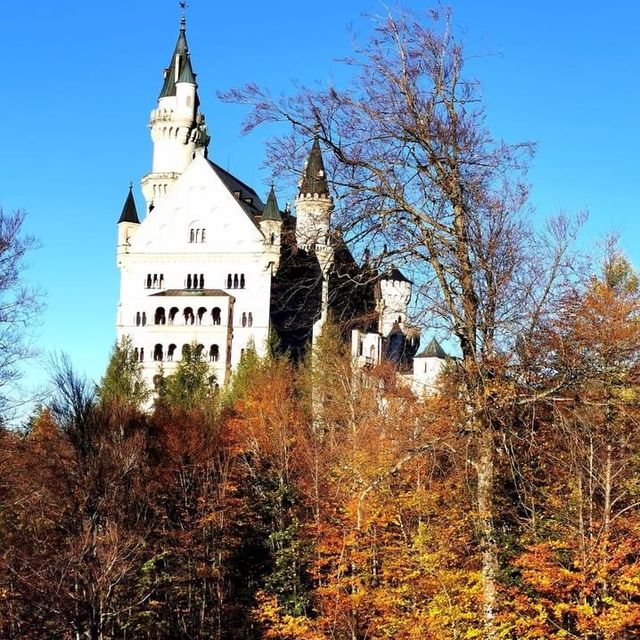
(81, 77)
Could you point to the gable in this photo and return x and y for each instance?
(199, 199)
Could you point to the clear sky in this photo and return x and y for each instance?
(79, 80)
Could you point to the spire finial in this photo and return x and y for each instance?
(183, 10)
(130, 185)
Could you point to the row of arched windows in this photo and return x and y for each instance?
(201, 316)
(247, 319)
(160, 355)
(195, 281)
(197, 235)
(154, 281)
(141, 318)
(233, 282)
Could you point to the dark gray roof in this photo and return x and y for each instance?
(129, 211)
(210, 293)
(433, 350)
(180, 65)
(271, 210)
(314, 177)
(247, 197)
(393, 273)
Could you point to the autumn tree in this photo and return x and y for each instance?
(422, 182)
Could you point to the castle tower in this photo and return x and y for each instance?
(128, 224)
(313, 202)
(177, 127)
(271, 227)
(394, 296)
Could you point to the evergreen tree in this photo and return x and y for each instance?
(122, 382)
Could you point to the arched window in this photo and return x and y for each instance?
(155, 280)
(242, 280)
(157, 353)
(203, 235)
(192, 235)
(201, 312)
(186, 351)
(188, 315)
(214, 353)
(372, 351)
(159, 317)
(162, 280)
(195, 280)
(215, 315)
(170, 351)
(235, 280)
(273, 238)
(229, 281)
(199, 350)
(137, 318)
(244, 319)
(144, 318)
(202, 280)
(148, 282)
(189, 281)
(136, 353)
(250, 319)
(141, 354)
(173, 312)
(197, 235)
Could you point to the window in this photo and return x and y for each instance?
(199, 350)
(215, 315)
(188, 315)
(173, 312)
(138, 318)
(186, 351)
(197, 235)
(157, 353)
(202, 280)
(144, 319)
(244, 319)
(214, 353)
(192, 235)
(141, 354)
(229, 281)
(148, 281)
(159, 317)
(235, 280)
(201, 312)
(242, 280)
(189, 281)
(170, 351)
(250, 319)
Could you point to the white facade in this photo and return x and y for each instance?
(198, 267)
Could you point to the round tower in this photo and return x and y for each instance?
(394, 295)
(176, 124)
(313, 202)
(271, 227)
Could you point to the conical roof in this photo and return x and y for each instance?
(129, 211)
(314, 177)
(433, 350)
(271, 210)
(179, 69)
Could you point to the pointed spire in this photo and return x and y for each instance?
(129, 211)
(433, 350)
(180, 65)
(271, 210)
(314, 177)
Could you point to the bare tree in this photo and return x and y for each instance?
(422, 182)
(18, 303)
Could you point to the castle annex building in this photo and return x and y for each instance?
(211, 266)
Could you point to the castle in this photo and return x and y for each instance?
(212, 267)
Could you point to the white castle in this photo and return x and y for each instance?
(211, 267)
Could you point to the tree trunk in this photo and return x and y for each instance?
(485, 504)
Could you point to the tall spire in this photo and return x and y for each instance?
(271, 210)
(129, 211)
(179, 69)
(314, 177)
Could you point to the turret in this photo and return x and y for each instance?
(177, 127)
(427, 366)
(128, 224)
(394, 293)
(271, 227)
(313, 203)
